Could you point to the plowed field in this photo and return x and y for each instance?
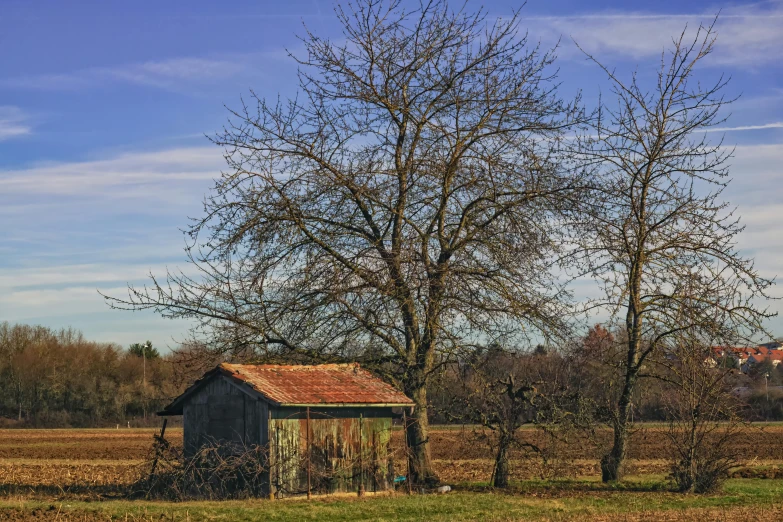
(68, 458)
(44, 470)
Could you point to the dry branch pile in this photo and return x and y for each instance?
(214, 472)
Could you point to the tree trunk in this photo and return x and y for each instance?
(689, 464)
(419, 458)
(19, 398)
(500, 473)
(612, 462)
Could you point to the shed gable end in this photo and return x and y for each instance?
(220, 411)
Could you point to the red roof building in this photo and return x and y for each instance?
(773, 356)
(748, 356)
(340, 412)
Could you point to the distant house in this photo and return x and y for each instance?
(337, 417)
(738, 354)
(773, 356)
(746, 357)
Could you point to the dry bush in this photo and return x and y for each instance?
(216, 471)
(553, 462)
(230, 470)
(703, 474)
(705, 423)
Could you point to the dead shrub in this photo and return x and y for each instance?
(552, 462)
(221, 470)
(217, 471)
(704, 419)
(701, 475)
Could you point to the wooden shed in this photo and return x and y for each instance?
(324, 428)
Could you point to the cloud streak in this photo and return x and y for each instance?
(121, 176)
(776, 125)
(13, 123)
(748, 36)
(71, 228)
(168, 74)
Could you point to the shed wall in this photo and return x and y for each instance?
(220, 411)
(349, 447)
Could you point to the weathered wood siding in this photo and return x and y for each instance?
(349, 446)
(220, 411)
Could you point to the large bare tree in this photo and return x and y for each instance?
(401, 206)
(660, 232)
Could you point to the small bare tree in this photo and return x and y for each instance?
(703, 414)
(402, 206)
(704, 419)
(660, 225)
(504, 391)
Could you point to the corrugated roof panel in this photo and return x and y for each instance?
(318, 384)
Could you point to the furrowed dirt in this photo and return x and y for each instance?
(42, 471)
(646, 443)
(125, 444)
(99, 459)
(446, 444)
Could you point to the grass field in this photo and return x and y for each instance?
(83, 475)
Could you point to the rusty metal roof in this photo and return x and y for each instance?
(318, 384)
(301, 385)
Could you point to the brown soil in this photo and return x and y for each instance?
(98, 463)
(647, 443)
(446, 444)
(133, 444)
(69, 474)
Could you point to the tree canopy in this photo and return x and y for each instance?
(403, 206)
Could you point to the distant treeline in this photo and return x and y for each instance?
(57, 378)
(588, 368)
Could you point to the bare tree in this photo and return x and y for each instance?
(704, 420)
(660, 230)
(402, 206)
(503, 391)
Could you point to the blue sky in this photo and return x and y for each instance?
(104, 107)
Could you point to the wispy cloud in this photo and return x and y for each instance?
(106, 221)
(168, 74)
(776, 125)
(757, 176)
(757, 192)
(142, 174)
(13, 123)
(71, 228)
(165, 74)
(83, 308)
(748, 36)
(88, 275)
